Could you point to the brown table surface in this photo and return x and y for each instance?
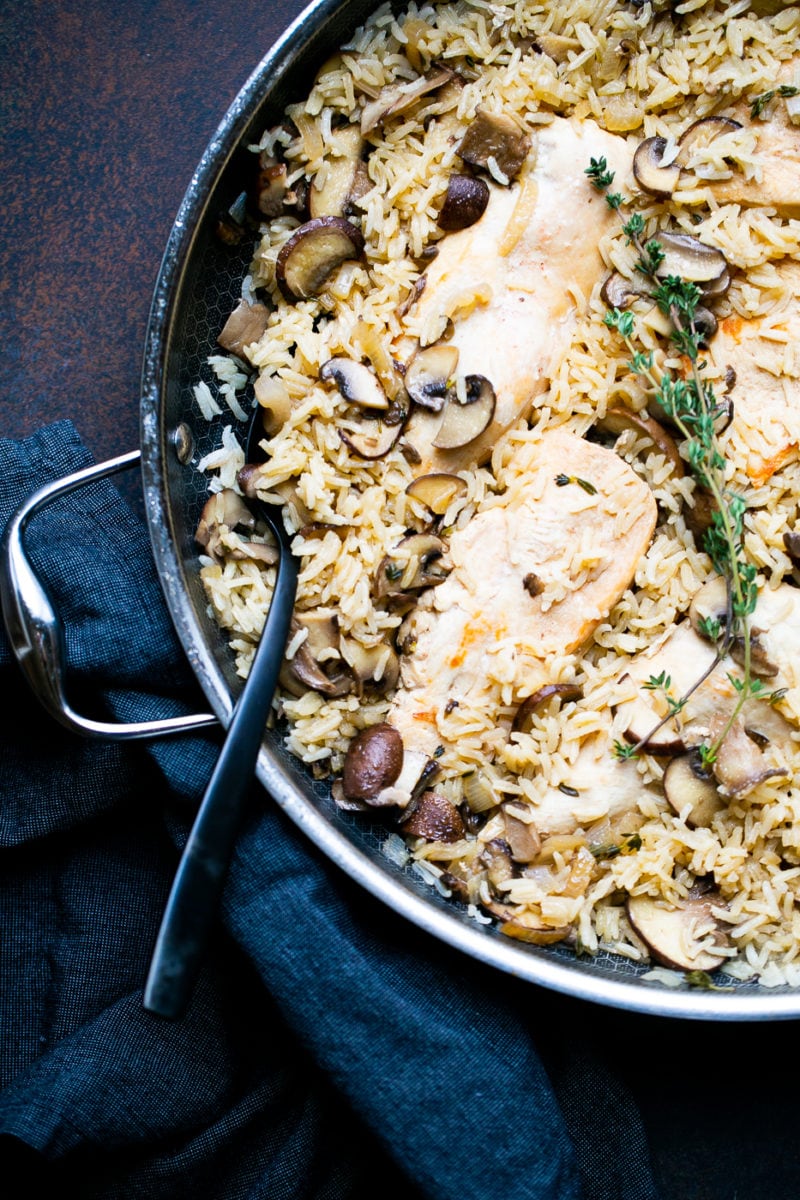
(107, 110)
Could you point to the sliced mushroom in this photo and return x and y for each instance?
(344, 180)
(686, 781)
(522, 837)
(644, 729)
(373, 762)
(313, 665)
(429, 375)
(684, 938)
(356, 382)
(308, 258)
(271, 187)
(711, 603)
(619, 292)
(618, 420)
(464, 203)
(273, 397)
(224, 513)
(536, 701)
(526, 926)
(760, 662)
(246, 325)
(374, 439)
(396, 98)
(556, 46)
(375, 665)
(495, 138)
(690, 259)
(740, 765)
(414, 563)
(652, 174)
(462, 423)
(437, 490)
(495, 859)
(435, 819)
(699, 515)
(791, 542)
(416, 775)
(701, 133)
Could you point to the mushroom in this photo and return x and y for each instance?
(313, 252)
(791, 543)
(464, 203)
(740, 765)
(462, 422)
(556, 46)
(396, 98)
(246, 325)
(701, 133)
(356, 382)
(271, 186)
(222, 514)
(618, 420)
(414, 563)
(344, 180)
(306, 669)
(699, 514)
(429, 375)
(522, 837)
(687, 781)
(644, 728)
(495, 859)
(437, 490)
(710, 604)
(373, 763)
(435, 819)
(495, 139)
(652, 174)
(685, 937)
(373, 439)
(690, 259)
(375, 665)
(618, 292)
(525, 926)
(760, 662)
(533, 703)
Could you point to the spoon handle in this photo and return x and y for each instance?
(200, 878)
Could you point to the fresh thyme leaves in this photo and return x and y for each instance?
(562, 481)
(759, 104)
(393, 571)
(694, 410)
(631, 842)
(702, 979)
(662, 683)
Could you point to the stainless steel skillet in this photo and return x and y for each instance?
(198, 285)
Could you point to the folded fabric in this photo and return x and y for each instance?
(331, 1050)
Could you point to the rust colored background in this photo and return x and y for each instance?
(106, 110)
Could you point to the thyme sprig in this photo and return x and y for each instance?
(759, 104)
(693, 408)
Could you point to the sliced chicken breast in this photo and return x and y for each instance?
(765, 354)
(514, 283)
(532, 577)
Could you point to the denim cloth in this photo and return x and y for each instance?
(331, 1050)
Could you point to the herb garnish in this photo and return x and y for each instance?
(562, 481)
(393, 571)
(629, 844)
(694, 409)
(758, 105)
(702, 979)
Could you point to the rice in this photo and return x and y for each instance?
(639, 71)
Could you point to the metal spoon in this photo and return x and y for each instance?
(198, 884)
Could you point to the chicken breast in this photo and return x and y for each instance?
(765, 354)
(532, 577)
(514, 283)
(778, 156)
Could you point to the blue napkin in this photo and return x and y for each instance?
(331, 1050)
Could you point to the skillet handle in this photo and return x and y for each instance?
(35, 632)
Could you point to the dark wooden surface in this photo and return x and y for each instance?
(106, 111)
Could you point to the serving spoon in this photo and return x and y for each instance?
(200, 878)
